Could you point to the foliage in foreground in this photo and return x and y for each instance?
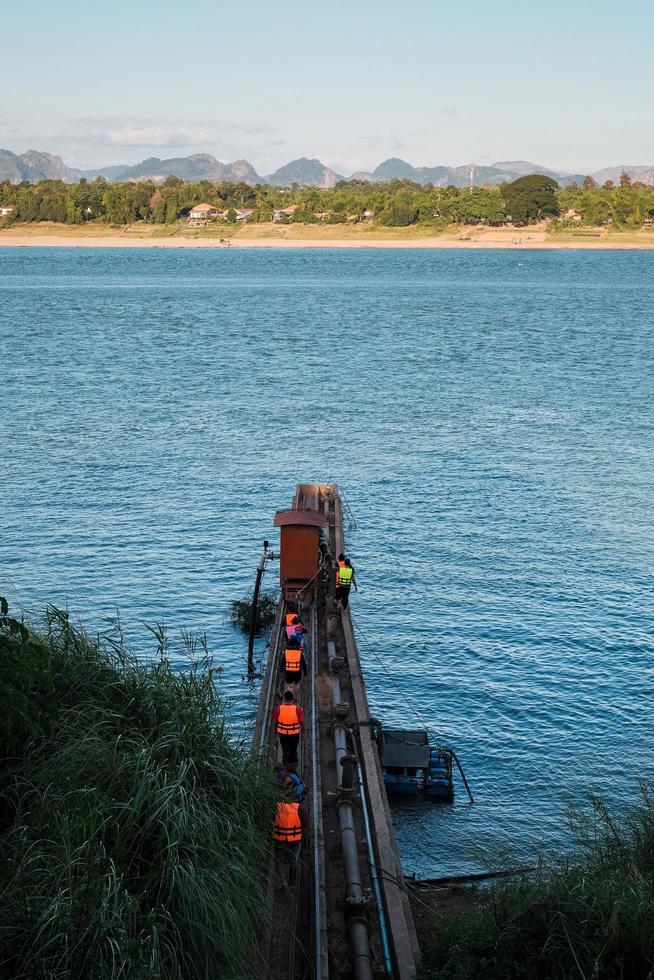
(133, 833)
(240, 612)
(586, 917)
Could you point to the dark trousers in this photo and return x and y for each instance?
(289, 744)
(343, 593)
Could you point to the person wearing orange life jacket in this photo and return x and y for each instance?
(295, 627)
(292, 620)
(293, 665)
(288, 828)
(291, 613)
(340, 563)
(288, 717)
(345, 579)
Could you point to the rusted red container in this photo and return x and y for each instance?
(298, 550)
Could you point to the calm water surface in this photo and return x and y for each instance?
(489, 415)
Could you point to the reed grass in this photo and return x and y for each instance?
(133, 832)
(588, 917)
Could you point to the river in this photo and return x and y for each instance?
(489, 416)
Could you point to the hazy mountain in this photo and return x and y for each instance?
(566, 179)
(198, 166)
(644, 173)
(306, 173)
(460, 176)
(109, 173)
(441, 176)
(394, 169)
(523, 168)
(242, 170)
(34, 166)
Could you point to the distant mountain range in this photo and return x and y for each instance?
(34, 166)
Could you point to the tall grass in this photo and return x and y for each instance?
(590, 916)
(133, 833)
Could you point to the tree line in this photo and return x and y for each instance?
(398, 203)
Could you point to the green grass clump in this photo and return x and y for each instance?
(133, 833)
(590, 916)
(240, 612)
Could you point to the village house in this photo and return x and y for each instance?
(203, 212)
(242, 214)
(6, 209)
(572, 215)
(280, 214)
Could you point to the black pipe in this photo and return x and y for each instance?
(254, 615)
(463, 775)
(355, 899)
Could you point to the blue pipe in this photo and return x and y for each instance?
(374, 874)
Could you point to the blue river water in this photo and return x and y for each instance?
(489, 416)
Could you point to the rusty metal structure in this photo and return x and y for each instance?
(299, 541)
(347, 915)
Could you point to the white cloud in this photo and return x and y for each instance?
(170, 133)
(134, 134)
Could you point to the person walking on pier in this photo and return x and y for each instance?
(292, 619)
(345, 579)
(288, 770)
(295, 628)
(290, 822)
(293, 663)
(288, 717)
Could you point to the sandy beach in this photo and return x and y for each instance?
(310, 236)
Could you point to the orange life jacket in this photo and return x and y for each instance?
(290, 617)
(287, 825)
(339, 565)
(292, 657)
(288, 722)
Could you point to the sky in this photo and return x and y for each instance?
(568, 84)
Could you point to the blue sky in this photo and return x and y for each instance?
(565, 84)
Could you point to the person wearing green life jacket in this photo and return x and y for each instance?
(345, 580)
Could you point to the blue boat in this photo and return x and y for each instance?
(412, 767)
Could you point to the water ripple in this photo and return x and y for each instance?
(491, 421)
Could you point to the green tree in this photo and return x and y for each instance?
(399, 216)
(481, 206)
(530, 198)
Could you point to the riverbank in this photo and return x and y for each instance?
(53, 235)
(586, 915)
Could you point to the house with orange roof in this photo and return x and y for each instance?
(203, 212)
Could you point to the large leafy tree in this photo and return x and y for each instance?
(530, 198)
